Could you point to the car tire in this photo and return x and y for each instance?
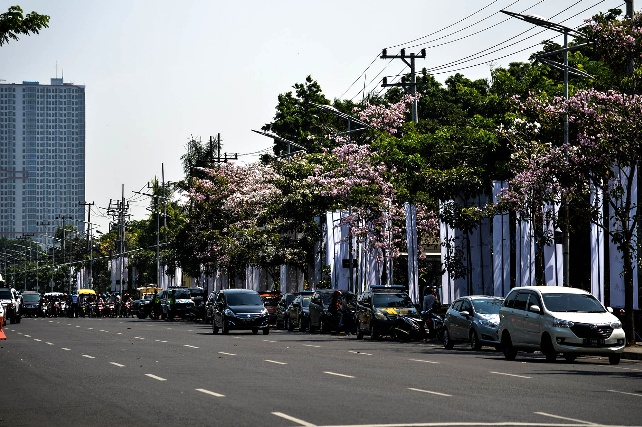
(510, 352)
(301, 325)
(614, 359)
(18, 319)
(359, 334)
(448, 343)
(266, 331)
(475, 344)
(374, 334)
(570, 357)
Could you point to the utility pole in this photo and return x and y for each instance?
(410, 61)
(218, 158)
(88, 239)
(64, 250)
(119, 213)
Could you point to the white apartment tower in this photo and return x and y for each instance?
(42, 158)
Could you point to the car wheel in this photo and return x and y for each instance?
(301, 325)
(475, 344)
(214, 327)
(547, 348)
(614, 359)
(255, 331)
(510, 352)
(570, 357)
(448, 343)
(359, 334)
(374, 334)
(266, 331)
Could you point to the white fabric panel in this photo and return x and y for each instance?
(525, 254)
(501, 247)
(447, 283)
(597, 248)
(411, 243)
(553, 273)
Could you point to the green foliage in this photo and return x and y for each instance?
(13, 23)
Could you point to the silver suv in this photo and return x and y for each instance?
(10, 300)
(554, 319)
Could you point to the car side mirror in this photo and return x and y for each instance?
(609, 309)
(535, 309)
(465, 313)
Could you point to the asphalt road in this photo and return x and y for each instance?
(94, 372)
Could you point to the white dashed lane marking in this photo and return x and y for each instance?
(88, 356)
(190, 346)
(117, 364)
(511, 375)
(275, 362)
(430, 392)
(337, 374)
(156, 377)
(227, 354)
(424, 361)
(211, 393)
(624, 392)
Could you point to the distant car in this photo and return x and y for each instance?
(298, 312)
(142, 308)
(556, 319)
(240, 309)
(199, 297)
(319, 309)
(11, 302)
(473, 319)
(210, 307)
(31, 304)
(378, 308)
(282, 309)
(271, 301)
(176, 302)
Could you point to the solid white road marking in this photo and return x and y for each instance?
(88, 356)
(311, 345)
(359, 352)
(28, 336)
(211, 393)
(564, 418)
(510, 375)
(296, 420)
(66, 349)
(190, 346)
(90, 328)
(424, 361)
(274, 361)
(117, 364)
(227, 354)
(338, 375)
(430, 392)
(50, 343)
(36, 339)
(156, 377)
(624, 392)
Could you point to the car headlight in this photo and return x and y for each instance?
(616, 325)
(264, 312)
(561, 323)
(229, 312)
(380, 315)
(488, 323)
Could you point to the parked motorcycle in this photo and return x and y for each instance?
(434, 326)
(409, 328)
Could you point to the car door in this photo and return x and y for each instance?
(316, 307)
(455, 320)
(532, 320)
(294, 311)
(365, 311)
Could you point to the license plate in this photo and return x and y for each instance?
(594, 342)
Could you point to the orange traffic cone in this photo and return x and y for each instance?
(2, 335)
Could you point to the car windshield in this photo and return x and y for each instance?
(197, 293)
(270, 301)
(5, 294)
(305, 302)
(580, 303)
(391, 300)
(30, 297)
(487, 306)
(244, 299)
(148, 297)
(181, 294)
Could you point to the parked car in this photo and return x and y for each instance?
(282, 309)
(555, 319)
(298, 313)
(176, 302)
(199, 297)
(142, 307)
(319, 310)
(473, 319)
(31, 304)
(11, 302)
(271, 302)
(378, 308)
(240, 309)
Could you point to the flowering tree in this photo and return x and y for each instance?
(605, 149)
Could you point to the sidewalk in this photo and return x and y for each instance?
(633, 352)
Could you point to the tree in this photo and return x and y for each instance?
(13, 23)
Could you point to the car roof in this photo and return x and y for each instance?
(237, 291)
(554, 289)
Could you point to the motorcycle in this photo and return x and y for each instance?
(409, 328)
(434, 326)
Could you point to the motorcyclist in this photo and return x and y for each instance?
(430, 297)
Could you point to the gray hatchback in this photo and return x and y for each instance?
(473, 319)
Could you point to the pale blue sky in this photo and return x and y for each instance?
(158, 71)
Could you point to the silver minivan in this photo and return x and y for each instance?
(559, 320)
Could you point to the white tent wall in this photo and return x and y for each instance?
(597, 248)
(501, 247)
(553, 270)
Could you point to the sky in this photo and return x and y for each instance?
(159, 72)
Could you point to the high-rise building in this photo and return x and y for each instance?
(42, 158)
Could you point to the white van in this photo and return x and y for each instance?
(555, 319)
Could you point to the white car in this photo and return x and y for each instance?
(555, 319)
